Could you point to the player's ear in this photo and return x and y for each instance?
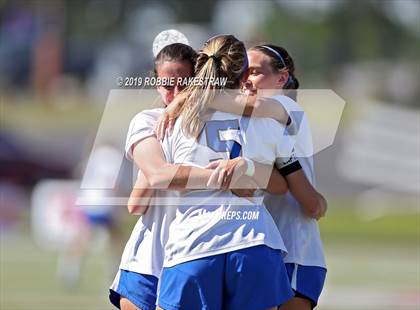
(283, 77)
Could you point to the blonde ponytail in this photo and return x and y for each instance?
(221, 57)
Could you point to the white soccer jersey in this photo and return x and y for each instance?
(300, 233)
(143, 252)
(214, 222)
(141, 127)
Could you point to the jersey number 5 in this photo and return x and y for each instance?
(222, 136)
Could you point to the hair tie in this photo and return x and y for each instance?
(216, 58)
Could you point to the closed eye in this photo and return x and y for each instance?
(254, 72)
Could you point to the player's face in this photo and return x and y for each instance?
(173, 69)
(261, 73)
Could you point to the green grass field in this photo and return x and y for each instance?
(372, 265)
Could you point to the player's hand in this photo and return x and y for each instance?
(317, 210)
(166, 121)
(243, 192)
(226, 172)
(245, 187)
(322, 207)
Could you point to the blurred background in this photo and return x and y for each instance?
(60, 59)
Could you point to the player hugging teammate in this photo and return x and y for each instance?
(205, 156)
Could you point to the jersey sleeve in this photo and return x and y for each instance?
(288, 165)
(286, 160)
(141, 127)
(296, 113)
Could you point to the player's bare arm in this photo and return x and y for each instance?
(250, 105)
(240, 104)
(149, 157)
(313, 203)
(140, 196)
